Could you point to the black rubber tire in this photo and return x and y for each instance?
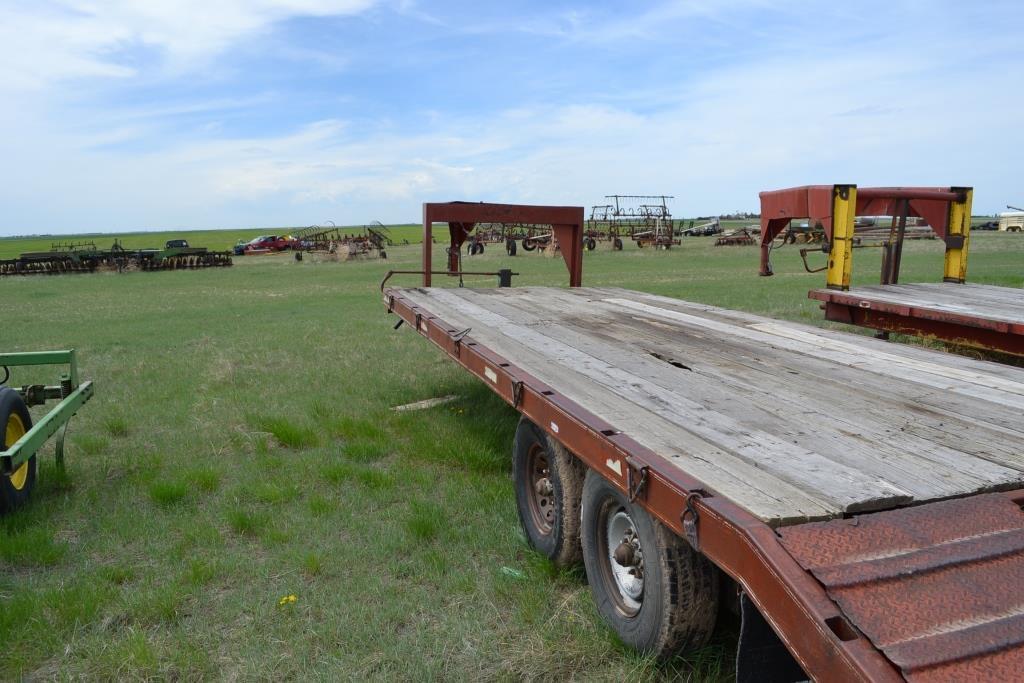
(560, 540)
(12, 497)
(510, 247)
(529, 245)
(679, 603)
(617, 244)
(383, 254)
(591, 244)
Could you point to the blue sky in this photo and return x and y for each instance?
(150, 114)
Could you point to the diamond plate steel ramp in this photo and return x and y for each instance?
(936, 588)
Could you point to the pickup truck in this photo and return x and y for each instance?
(264, 244)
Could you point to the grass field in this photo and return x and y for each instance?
(215, 240)
(241, 502)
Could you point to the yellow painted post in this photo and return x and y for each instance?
(840, 255)
(958, 236)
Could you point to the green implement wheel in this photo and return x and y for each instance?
(16, 421)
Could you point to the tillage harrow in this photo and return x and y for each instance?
(85, 257)
(21, 437)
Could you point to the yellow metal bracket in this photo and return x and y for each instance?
(958, 235)
(840, 255)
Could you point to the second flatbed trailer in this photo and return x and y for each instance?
(864, 499)
(981, 316)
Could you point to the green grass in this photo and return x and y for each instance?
(218, 240)
(241, 448)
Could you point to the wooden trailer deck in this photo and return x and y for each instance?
(791, 422)
(979, 315)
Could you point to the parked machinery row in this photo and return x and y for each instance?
(85, 257)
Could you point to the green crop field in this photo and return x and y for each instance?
(241, 502)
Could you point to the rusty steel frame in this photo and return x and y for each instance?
(566, 223)
(644, 224)
(941, 207)
(791, 600)
(947, 212)
(948, 326)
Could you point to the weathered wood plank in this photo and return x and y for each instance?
(775, 502)
(851, 431)
(887, 424)
(844, 486)
(1005, 304)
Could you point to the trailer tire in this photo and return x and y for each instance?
(529, 244)
(548, 482)
(672, 606)
(617, 244)
(15, 420)
(510, 247)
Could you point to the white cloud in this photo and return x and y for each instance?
(906, 112)
(43, 42)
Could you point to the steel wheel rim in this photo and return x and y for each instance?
(542, 498)
(627, 569)
(14, 431)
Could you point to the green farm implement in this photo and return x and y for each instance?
(84, 257)
(22, 439)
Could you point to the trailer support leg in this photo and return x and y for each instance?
(840, 256)
(957, 236)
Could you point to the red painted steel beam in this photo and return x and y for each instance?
(779, 207)
(747, 549)
(814, 202)
(932, 193)
(566, 222)
(977, 332)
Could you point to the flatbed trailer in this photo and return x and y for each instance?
(972, 315)
(986, 317)
(864, 499)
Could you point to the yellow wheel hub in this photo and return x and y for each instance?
(16, 430)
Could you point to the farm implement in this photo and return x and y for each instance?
(664, 445)
(644, 219)
(370, 240)
(736, 238)
(21, 438)
(85, 257)
(531, 237)
(982, 316)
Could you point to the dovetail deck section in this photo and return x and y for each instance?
(791, 422)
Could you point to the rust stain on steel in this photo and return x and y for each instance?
(814, 202)
(462, 217)
(936, 587)
(958, 328)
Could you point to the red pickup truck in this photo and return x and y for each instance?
(265, 244)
